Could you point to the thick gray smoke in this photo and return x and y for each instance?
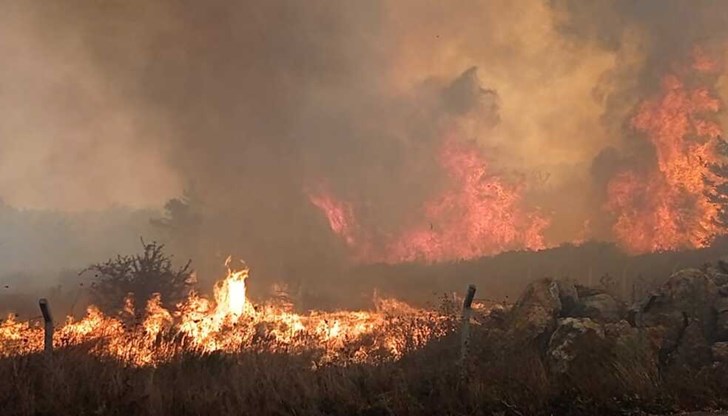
(250, 104)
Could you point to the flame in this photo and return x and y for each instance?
(12, 331)
(229, 323)
(657, 206)
(479, 214)
(339, 214)
(667, 208)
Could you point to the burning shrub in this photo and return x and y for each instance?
(143, 275)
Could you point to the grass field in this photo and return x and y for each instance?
(226, 355)
(503, 377)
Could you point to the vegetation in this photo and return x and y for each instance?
(504, 379)
(143, 274)
(510, 368)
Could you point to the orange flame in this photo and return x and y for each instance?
(480, 214)
(667, 208)
(339, 214)
(231, 323)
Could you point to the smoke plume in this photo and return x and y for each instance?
(254, 107)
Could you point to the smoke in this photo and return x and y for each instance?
(252, 105)
(650, 40)
(40, 247)
(70, 138)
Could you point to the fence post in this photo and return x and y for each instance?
(45, 309)
(465, 330)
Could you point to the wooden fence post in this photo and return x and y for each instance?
(45, 309)
(465, 330)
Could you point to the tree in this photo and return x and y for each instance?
(717, 183)
(143, 275)
(181, 223)
(182, 215)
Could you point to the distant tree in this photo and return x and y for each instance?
(718, 183)
(181, 215)
(141, 274)
(181, 223)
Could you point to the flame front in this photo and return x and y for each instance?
(658, 192)
(231, 323)
(478, 215)
(667, 208)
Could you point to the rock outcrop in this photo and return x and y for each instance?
(535, 313)
(720, 352)
(721, 322)
(601, 307)
(682, 323)
(572, 338)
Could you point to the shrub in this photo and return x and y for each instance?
(143, 275)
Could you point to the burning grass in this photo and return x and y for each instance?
(226, 355)
(505, 378)
(230, 323)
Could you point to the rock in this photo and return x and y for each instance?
(600, 307)
(693, 349)
(723, 290)
(720, 352)
(584, 291)
(571, 339)
(569, 297)
(620, 330)
(679, 318)
(535, 312)
(719, 274)
(632, 350)
(722, 269)
(721, 322)
(687, 296)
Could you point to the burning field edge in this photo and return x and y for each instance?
(562, 348)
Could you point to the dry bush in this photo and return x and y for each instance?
(143, 274)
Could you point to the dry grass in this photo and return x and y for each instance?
(504, 376)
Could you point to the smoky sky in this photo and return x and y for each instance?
(253, 103)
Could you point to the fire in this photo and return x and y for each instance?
(667, 208)
(659, 205)
(12, 331)
(479, 214)
(339, 214)
(230, 294)
(230, 323)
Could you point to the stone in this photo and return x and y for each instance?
(688, 296)
(620, 330)
(535, 312)
(568, 296)
(721, 322)
(719, 275)
(584, 291)
(571, 339)
(679, 318)
(631, 355)
(720, 351)
(723, 265)
(693, 349)
(600, 307)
